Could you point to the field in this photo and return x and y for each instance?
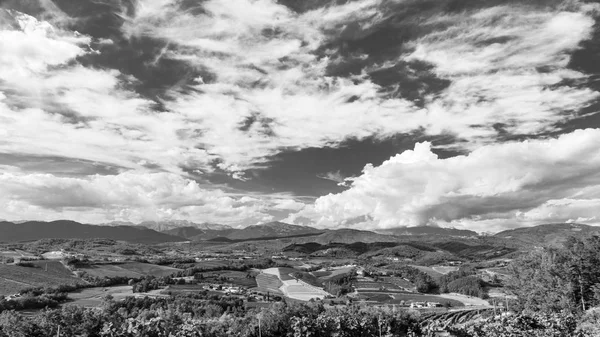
(16, 254)
(444, 269)
(278, 278)
(129, 269)
(376, 286)
(327, 274)
(16, 278)
(302, 291)
(92, 297)
(211, 264)
(238, 278)
(400, 282)
(429, 271)
(407, 298)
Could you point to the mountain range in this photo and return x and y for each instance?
(147, 233)
(65, 229)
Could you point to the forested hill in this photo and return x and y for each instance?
(547, 235)
(64, 229)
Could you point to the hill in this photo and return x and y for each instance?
(162, 226)
(271, 230)
(429, 230)
(274, 229)
(187, 232)
(349, 236)
(65, 229)
(546, 235)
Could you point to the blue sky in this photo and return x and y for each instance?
(365, 114)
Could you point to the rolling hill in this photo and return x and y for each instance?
(274, 229)
(65, 229)
(348, 236)
(271, 230)
(550, 234)
(430, 231)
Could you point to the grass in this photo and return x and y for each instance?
(429, 271)
(150, 269)
(14, 279)
(92, 297)
(444, 269)
(211, 264)
(400, 282)
(129, 269)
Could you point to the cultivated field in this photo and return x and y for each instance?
(16, 278)
(430, 271)
(278, 278)
(92, 297)
(406, 298)
(303, 291)
(129, 269)
(444, 269)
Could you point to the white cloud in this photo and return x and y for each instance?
(130, 196)
(271, 92)
(244, 44)
(507, 184)
(493, 58)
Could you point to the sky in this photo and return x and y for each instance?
(367, 114)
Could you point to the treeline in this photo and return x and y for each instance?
(37, 298)
(558, 279)
(464, 281)
(190, 270)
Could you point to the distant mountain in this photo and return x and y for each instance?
(349, 236)
(166, 225)
(199, 234)
(274, 229)
(64, 229)
(187, 232)
(428, 230)
(550, 234)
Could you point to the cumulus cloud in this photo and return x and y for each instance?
(266, 88)
(493, 187)
(130, 196)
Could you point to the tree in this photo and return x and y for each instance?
(556, 279)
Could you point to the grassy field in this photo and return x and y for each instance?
(333, 273)
(92, 297)
(284, 273)
(444, 269)
(16, 254)
(429, 271)
(400, 282)
(211, 264)
(129, 269)
(16, 278)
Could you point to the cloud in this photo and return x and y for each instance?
(333, 176)
(506, 65)
(130, 196)
(267, 86)
(255, 79)
(271, 88)
(511, 184)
